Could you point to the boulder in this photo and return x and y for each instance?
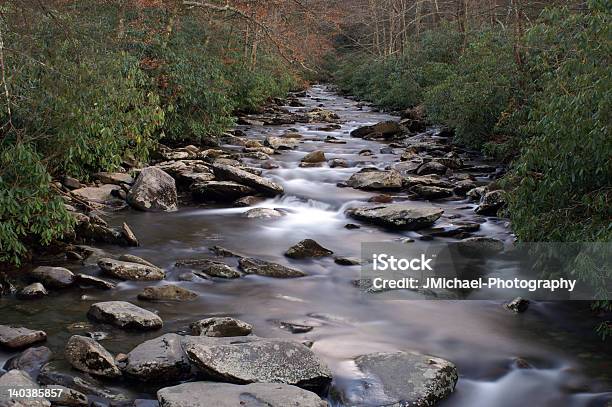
(518, 305)
(464, 186)
(250, 359)
(321, 115)
(87, 355)
(399, 216)
(263, 213)
(168, 292)
(361, 132)
(476, 193)
(124, 315)
(282, 143)
(205, 394)
(338, 162)
(154, 190)
(71, 183)
(431, 192)
(16, 338)
(260, 267)
(431, 167)
(260, 184)
(130, 271)
(402, 379)
(87, 280)
(54, 277)
(307, 248)
(314, 157)
(158, 360)
(30, 361)
(219, 270)
(116, 178)
(372, 178)
(220, 327)
(219, 191)
(426, 180)
(491, 202)
(32, 291)
(18, 379)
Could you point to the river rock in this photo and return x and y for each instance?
(307, 248)
(158, 360)
(87, 355)
(102, 194)
(16, 379)
(130, 271)
(247, 201)
(130, 258)
(30, 361)
(124, 315)
(462, 187)
(71, 183)
(219, 191)
(250, 359)
(426, 180)
(116, 178)
(219, 270)
(400, 216)
(479, 246)
(384, 129)
(476, 193)
(282, 143)
(338, 162)
(32, 291)
(402, 379)
(206, 394)
(87, 280)
(260, 267)
(263, 213)
(220, 327)
(129, 235)
(372, 178)
(55, 277)
(431, 192)
(347, 261)
(16, 338)
(261, 184)
(314, 157)
(431, 167)
(68, 397)
(518, 305)
(321, 115)
(154, 190)
(167, 292)
(491, 202)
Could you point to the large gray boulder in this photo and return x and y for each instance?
(402, 379)
(220, 191)
(124, 315)
(124, 270)
(399, 216)
(154, 190)
(263, 185)
(220, 327)
(373, 178)
(87, 355)
(207, 394)
(265, 268)
(16, 338)
(158, 360)
(18, 379)
(251, 359)
(54, 277)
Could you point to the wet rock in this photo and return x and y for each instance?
(384, 129)
(426, 180)
(221, 327)
(158, 360)
(219, 270)
(247, 201)
(269, 165)
(16, 379)
(338, 162)
(295, 328)
(322, 115)
(457, 230)
(87, 280)
(205, 394)
(307, 248)
(431, 192)
(53, 277)
(130, 271)
(167, 292)
(128, 235)
(32, 291)
(400, 216)
(314, 157)
(260, 184)
(476, 193)
(282, 143)
(372, 178)
(431, 168)
(251, 359)
(17, 338)
(452, 162)
(87, 355)
(224, 252)
(262, 213)
(50, 375)
(480, 246)
(116, 178)
(30, 361)
(347, 261)
(352, 226)
(402, 379)
(124, 315)
(154, 190)
(260, 267)
(68, 397)
(491, 202)
(518, 305)
(130, 258)
(101, 194)
(366, 153)
(220, 191)
(381, 198)
(263, 150)
(462, 187)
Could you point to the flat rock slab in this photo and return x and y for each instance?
(168, 292)
(221, 327)
(220, 191)
(16, 338)
(265, 268)
(130, 271)
(207, 394)
(87, 355)
(116, 178)
(250, 359)
(101, 194)
(398, 216)
(124, 315)
(402, 379)
(263, 185)
(159, 360)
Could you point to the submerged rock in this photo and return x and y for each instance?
(124, 315)
(251, 359)
(261, 184)
(168, 292)
(221, 327)
(55, 277)
(16, 338)
(372, 178)
(207, 394)
(402, 379)
(307, 248)
(265, 268)
(263, 213)
(400, 216)
(154, 190)
(158, 360)
(87, 355)
(130, 271)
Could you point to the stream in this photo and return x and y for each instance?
(569, 365)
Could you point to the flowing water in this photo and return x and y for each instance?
(570, 365)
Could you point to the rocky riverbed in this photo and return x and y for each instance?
(229, 275)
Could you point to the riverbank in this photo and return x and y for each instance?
(547, 354)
